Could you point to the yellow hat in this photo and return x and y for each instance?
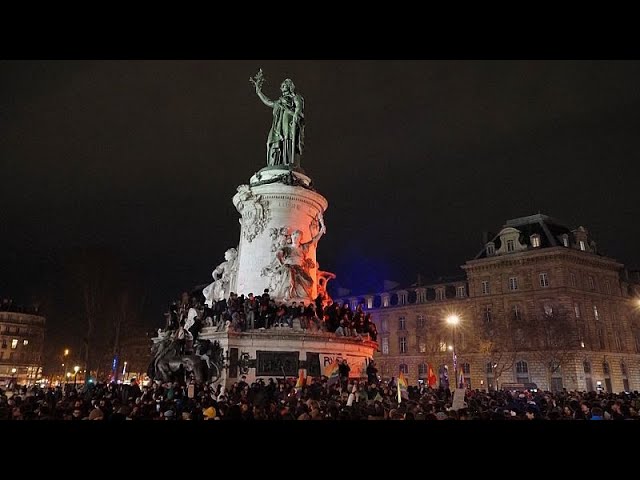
(209, 413)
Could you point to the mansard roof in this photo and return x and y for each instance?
(549, 230)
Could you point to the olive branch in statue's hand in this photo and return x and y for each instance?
(258, 79)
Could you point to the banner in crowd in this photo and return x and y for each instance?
(330, 361)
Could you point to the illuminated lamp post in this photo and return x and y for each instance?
(75, 377)
(453, 321)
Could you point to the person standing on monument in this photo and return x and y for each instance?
(286, 137)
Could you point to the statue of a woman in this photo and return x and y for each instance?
(286, 137)
(295, 278)
(222, 275)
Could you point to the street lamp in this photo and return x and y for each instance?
(13, 377)
(453, 321)
(75, 378)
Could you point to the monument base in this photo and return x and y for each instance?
(282, 351)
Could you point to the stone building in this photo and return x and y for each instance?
(538, 304)
(21, 346)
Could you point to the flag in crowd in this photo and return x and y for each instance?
(332, 372)
(402, 387)
(431, 379)
(300, 381)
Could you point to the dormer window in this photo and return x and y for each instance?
(510, 246)
(565, 240)
(583, 246)
(535, 240)
(491, 248)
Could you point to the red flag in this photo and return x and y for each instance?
(431, 378)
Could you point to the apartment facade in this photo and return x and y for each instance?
(539, 304)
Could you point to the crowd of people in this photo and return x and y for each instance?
(239, 313)
(318, 399)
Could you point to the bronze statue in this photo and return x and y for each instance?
(286, 137)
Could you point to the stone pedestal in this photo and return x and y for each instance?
(279, 352)
(277, 200)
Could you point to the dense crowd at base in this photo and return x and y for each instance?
(318, 399)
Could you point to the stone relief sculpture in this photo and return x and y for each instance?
(222, 275)
(279, 239)
(254, 210)
(285, 141)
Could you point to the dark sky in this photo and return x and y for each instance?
(416, 159)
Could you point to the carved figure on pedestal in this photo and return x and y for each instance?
(280, 238)
(222, 275)
(294, 276)
(286, 137)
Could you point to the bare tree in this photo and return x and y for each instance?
(552, 338)
(501, 342)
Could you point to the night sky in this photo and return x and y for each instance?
(140, 159)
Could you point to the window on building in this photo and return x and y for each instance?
(385, 369)
(605, 368)
(548, 309)
(1, 355)
(587, 367)
(491, 248)
(513, 283)
(385, 301)
(601, 341)
(4, 343)
(420, 321)
(572, 280)
(517, 312)
(384, 325)
(489, 368)
(595, 313)
(623, 369)
(422, 370)
(510, 246)
(402, 298)
(522, 372)
(370, 302)
(466, 368)
(617, 340)
(440, 294)
(535, 241)
(385, 345)
(485, 287)
(487, 314)
(544, 280)
(607, 287)
(422, 345)
(565, 240)
(403, 344)
(25, 342)
(402, 323)
(443, 346)
(592, 283)
(576, 309)
(404, 368)
(14, 344)
(12, 356)
(462, 291)
(522, 367)
(583, 246)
